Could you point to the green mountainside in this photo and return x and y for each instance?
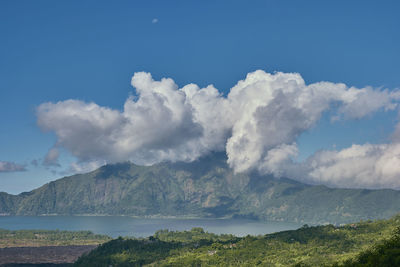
(204, 188)
(361, 244)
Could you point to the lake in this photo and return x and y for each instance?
(115, 226)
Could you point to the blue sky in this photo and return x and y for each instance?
(88, 50)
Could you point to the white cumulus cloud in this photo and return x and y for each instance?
(359, 166)
(163, 123)
(257, 123)
(272, 110)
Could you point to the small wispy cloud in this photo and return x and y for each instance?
(6, 166)
(51, 158)
(35, 162)
(83, 167)
(154, 21)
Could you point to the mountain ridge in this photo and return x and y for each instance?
(204, 188)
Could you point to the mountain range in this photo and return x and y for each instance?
(203, 188)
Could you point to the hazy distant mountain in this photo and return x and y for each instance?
(205, 188)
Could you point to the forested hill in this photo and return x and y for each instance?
(205, 188)
(365, 243)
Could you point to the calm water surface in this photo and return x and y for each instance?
(115, 226)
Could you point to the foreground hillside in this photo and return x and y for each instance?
(205, 188)
(349, 245)
(386, 253)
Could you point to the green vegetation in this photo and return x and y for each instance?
(197, 234)
(130, 252)
(37, 238)
(383, 254)
(308, 246)
(204, 188)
